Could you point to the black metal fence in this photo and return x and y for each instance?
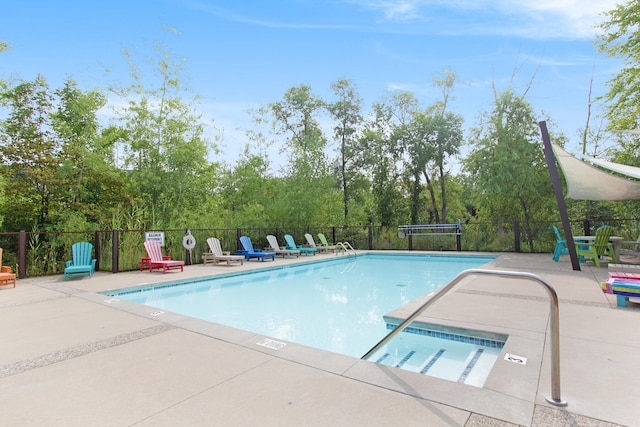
(34, 254)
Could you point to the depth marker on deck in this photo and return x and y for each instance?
(515, 359)
(274, 345)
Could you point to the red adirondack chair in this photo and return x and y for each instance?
(154, 251)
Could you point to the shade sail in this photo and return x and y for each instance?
(587, 182)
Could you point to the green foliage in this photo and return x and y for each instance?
(507, 166)
(29, 152)
(620, 38)
(164, 142)
(152, 167)
(346, 113)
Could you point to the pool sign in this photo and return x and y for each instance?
(515, 359)
(158, 236)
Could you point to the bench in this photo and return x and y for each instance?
(623, 282)
(412, 230)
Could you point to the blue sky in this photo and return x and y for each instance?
(244, 54)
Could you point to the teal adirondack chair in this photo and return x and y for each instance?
(561, 245)
(291, 244)
(599, 247)
(82, 264)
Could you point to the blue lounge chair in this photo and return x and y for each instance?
(82, 264)
(291, 244)
(249, 252)
(561, 245)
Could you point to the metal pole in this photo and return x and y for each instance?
(115, 255)
(557, 187)
(22, 254)
(96, 247)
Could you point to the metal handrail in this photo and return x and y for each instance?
(555, 398)
(347, 247)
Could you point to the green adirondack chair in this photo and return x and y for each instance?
(82, 264)
(598, 247)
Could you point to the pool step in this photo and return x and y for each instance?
(450, 365)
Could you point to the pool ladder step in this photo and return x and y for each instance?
(431, 360)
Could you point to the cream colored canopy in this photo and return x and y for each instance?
(587, 182)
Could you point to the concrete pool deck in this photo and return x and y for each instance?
(73, 357)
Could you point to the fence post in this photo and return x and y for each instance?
(410, 241)
(587, 227)
(333, 234)
(370, 237)
(238, 235)
(516, 233)
(96, 246)
(22, 254)
(115, 255)
(459, 237)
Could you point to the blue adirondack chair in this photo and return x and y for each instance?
(249, 252)
(561, 246)
(82, 264)
(291, 244)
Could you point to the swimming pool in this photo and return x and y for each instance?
(336, 305)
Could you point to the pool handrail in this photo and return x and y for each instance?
(346, 246)
(555, 398)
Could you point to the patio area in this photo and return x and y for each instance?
(74, 357)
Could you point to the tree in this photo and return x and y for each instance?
(346, 112)
(295, 117)
(620, 38)
(309, 187)
(30, 152)
(165, 145)
(446, 139)
(507, 167)
(428, 139)
(380, 151)
(246, 190)
(87, 168)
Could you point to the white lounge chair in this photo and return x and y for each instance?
(320, 248)
(280, 250)
(216, 256)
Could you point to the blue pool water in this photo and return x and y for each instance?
(336, 305)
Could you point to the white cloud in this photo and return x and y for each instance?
(542, 19)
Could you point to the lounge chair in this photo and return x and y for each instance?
(249, 252)
(291, 244)
(323, 241)
(598, 247)
(321, 248)
(82, 264)
(157, 261)
(561, 246)
(280, 250)
(217, 255)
